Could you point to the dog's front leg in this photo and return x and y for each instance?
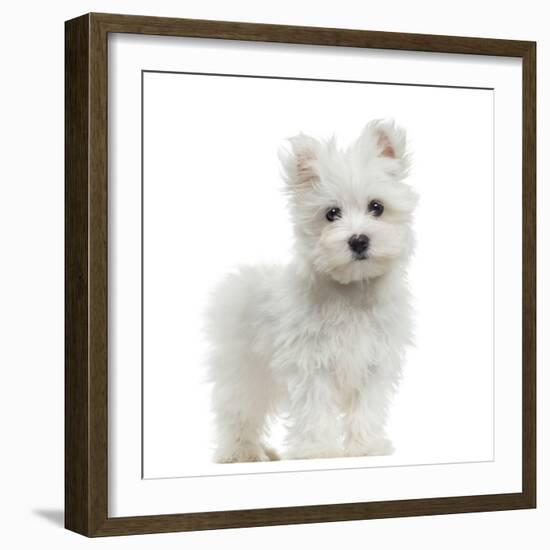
(365, 419)
(314, 429)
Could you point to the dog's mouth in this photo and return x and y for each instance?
(360, 257)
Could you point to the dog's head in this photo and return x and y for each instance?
(351, 208)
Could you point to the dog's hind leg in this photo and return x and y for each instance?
(242, 401)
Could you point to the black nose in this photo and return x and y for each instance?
(359, 243)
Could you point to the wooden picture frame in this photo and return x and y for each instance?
(86, 279)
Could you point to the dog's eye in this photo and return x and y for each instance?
(376, 207)
(333, 213)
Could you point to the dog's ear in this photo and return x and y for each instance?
(384, 139)
(299, 163)
(388, 139)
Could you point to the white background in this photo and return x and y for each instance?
(31, 296)
(213, 200)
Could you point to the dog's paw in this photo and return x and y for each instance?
(270, 452)
(246, 453)
(377, 446)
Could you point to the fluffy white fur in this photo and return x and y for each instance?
(320, 341)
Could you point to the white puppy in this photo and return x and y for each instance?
(320, 341)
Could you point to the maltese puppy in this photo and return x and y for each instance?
(320, 341)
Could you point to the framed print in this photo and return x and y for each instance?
(300, 274)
